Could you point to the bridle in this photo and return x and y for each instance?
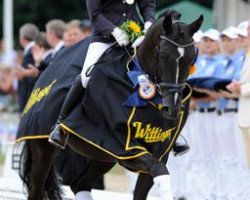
(171, 87)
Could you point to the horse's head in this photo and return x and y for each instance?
(173, 55)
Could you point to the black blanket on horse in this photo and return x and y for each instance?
(44, 105)
(101, 118)
(123, 131)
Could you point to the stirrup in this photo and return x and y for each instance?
(185, 148)
(182, 152)
(50, 140)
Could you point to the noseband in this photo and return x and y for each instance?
(172, 87)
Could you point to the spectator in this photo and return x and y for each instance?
(73, 33)
(242, 89)
(86, 28)
(6, 79)
(6, 86)
(201, 130)
(227, 154)
(54, 33)
(27, 33)
(242, 36)
(198, 41)
(76, 31)
(67, 37)
(42, 56)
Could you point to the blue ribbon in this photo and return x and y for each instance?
(134, 100)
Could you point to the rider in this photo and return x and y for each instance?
(106, 16)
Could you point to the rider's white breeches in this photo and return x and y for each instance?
(95, 51)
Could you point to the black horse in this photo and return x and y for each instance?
(165, 56)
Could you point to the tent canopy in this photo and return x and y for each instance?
(191, 11)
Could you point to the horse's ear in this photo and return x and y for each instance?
(167, 23)
(195, 26)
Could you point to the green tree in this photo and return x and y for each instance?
(40, 12)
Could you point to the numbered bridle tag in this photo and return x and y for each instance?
(147, 89)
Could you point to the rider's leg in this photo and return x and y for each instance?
(75, 93)
(95, 51)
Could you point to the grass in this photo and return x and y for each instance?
(2, 158)
(117, 169)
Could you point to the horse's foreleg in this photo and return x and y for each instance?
(89, 176)
(143, 185)
(157, 170)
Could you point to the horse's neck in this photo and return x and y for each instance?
(146, 55)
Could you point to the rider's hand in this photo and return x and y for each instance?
(147, 26)
(120, 36)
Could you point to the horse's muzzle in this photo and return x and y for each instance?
(172, 99)
(172, 107)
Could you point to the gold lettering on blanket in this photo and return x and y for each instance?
(151, 134)
(36, 96)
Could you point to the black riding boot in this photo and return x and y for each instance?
(74, 95)
(180, 148)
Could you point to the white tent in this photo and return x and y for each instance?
(230, 12)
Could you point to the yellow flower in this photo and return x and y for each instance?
(134, 27)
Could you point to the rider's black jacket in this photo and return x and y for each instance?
(107, 14)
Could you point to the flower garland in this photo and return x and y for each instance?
(132, 29)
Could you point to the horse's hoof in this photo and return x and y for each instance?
(83, 195)
(163, 187)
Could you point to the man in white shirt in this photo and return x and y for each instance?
(54, 34)
(242, 88)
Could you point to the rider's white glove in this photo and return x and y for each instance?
(120, 36)
(147, 26)
(138, 41)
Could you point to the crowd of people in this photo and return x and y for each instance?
(218, 166)
(20, 69)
